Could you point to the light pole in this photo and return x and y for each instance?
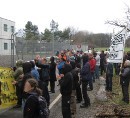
(12, 49)
(54, 27)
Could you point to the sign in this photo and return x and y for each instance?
(78, 46)
(116, 50)
(7, 90)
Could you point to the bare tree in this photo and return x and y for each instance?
(123, 24)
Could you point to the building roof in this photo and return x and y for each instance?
(7, 19)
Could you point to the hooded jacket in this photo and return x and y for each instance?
(52, 70)
(86, 72)
(31, 106)
(75, 75)
(19, 70)
(125, 76)
(27, 72)
(66, 83)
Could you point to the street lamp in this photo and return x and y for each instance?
(12, 48)
(54, 27)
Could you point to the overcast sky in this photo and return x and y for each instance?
(87, 15)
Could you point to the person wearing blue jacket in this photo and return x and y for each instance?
(85, 78)
(60, 65)
(34, 71)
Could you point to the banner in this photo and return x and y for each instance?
(116, 50)
(7, 90)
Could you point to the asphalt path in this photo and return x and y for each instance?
(55, 106)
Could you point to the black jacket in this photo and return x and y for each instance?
(52, 71)
(75, 75)
(66, 82)
(45, 93)
(125, 76)
(43, 67)
(31, 107)
(27, 73)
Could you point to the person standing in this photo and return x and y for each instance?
(18, 82)
(65, 81)
(44, 77)
(102, 62)
(44, 70)
(31, 108)
(92, 63)
(85, 78)
(73, 94)
(124, 80)
(109, 75)
(52, 74)
(34, 71)
(97, 58)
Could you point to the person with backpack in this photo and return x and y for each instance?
(35, 105)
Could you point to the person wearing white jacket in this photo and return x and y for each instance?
(97, 58)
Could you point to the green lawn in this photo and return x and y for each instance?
(104, 48)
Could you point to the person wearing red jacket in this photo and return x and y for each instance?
(92, 63)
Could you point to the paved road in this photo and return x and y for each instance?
(56, 109)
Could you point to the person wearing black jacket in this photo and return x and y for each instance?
(43, 82)
(109, 75)
(52, 74)
(65, 81)
(74, 88)
(85, 58)
(125, 80)
(43, 70)
(26, 72)
(85, 77)
(31, 108)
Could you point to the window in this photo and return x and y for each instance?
(5, 27)
(5, 46)
(12, 29)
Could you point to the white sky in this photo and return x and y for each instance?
(87, 15)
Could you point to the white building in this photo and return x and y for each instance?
(7, 28)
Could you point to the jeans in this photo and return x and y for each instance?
(66, 112)
(125, 93)
(109, 82)
(97, 72)
(84, 92)
(78, 92)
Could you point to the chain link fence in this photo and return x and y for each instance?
(28, 49)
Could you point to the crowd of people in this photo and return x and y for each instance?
(75, 73)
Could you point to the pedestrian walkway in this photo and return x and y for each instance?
(55, 111)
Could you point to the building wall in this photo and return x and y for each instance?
(5, 36)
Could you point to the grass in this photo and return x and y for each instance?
(104, 48)
(116, 96)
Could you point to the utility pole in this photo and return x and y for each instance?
(54, 27)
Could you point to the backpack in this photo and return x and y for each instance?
(43, 108)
